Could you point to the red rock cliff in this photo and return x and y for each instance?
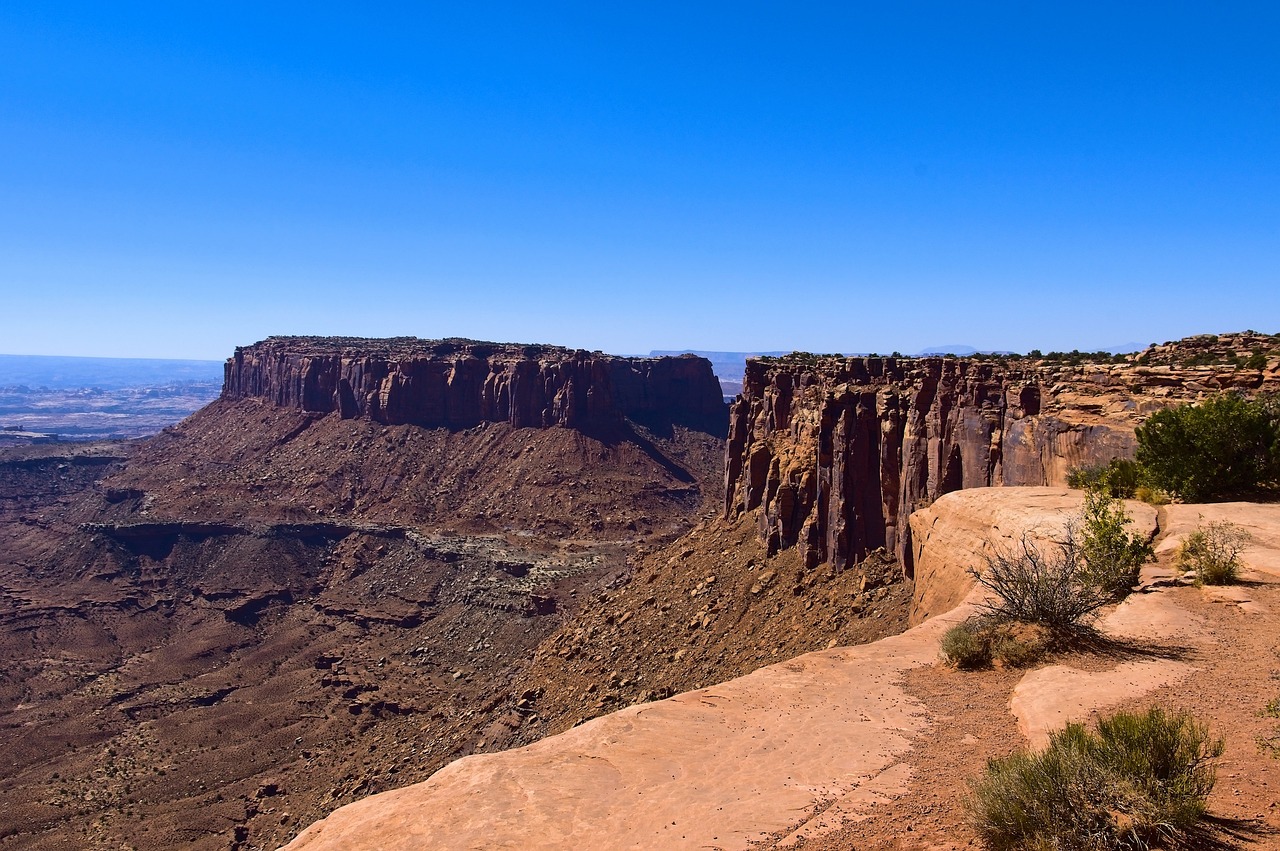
(460, 383)
(835, 453)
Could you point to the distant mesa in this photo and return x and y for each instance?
(458, 383)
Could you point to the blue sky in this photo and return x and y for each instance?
(835, 177)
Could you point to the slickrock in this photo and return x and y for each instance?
(1050, 697)
(836, 453)
(718, 767)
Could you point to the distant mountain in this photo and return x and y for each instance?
(948, 349)
(1124, 348)
(67, 373)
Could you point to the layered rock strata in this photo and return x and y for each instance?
(835, 453)
(461, 383)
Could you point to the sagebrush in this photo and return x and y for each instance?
(1140, 779)
(978, 642)
(1212, 552)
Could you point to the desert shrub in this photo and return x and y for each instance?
(1213, 552)
(1111, 556)
(1222, 447)
(1046, 587)
(1139, 779)
(967, 645)
(1016, 645)
(1086, 476)
(1119, 477)
(1271, 744)
(978, 642)
(1150, 495)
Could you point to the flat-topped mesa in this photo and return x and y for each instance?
(835, 453)
(458, 383)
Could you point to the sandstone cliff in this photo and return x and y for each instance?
(835, 453)
(461, 383)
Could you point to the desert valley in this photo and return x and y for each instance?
(449, 594)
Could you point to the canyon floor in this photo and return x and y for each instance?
(218, 636)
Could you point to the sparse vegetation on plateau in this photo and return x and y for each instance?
(1213, 553)
(1061, 586)
(1223, 447)
(979, 642)
(1042, 586)
(1040, 595)
(1140, 780)
(1112, 556)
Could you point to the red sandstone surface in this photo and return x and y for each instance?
(862, 747)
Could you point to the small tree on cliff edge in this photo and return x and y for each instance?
(1225, 446)
(1111, 557)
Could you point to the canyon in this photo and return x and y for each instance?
(369, 558)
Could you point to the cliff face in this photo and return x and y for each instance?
(835, 453)
(462, 383)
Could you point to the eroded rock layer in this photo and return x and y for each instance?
(461, 383)
(835, 453)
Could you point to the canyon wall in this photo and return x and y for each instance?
(461, 383)
(835, 453)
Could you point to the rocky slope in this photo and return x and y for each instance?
(272, 608)
(867, 747)
(836, 453)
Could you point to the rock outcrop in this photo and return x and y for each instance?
(835, 453)
(954, 535)
(461, 383)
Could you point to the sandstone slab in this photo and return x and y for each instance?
(1049, 698)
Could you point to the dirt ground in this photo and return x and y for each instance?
(1235, 651)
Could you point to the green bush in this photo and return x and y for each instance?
(1223, 447)
(967, 646)
(1141, 778)
(1271, 744)
(1213, 552)
(1112, 557)
(1119, 477)
(978, 642)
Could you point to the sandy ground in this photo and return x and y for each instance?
(1212, 651)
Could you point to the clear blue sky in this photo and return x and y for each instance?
(831, 177)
